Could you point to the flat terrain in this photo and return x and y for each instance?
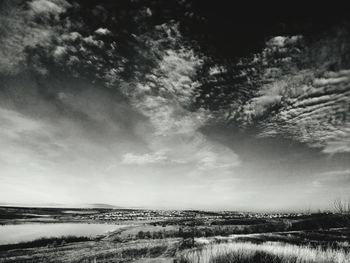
(178, 236)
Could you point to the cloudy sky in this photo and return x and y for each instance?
(172, 105)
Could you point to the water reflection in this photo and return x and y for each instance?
(10, 234)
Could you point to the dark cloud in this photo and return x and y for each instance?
(310, 103)
(26, 25)
(294, 88)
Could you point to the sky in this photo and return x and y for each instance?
(176, 105)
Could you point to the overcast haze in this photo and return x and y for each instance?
(172, 105)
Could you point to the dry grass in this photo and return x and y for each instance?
(95, 251)
(263, 253)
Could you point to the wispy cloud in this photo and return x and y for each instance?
(316, 113)
(217, 159)
(307, 103)
(102, 31)
(163, 95)
(153, 158)
(165, 98)
(48, 7)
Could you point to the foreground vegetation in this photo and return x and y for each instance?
(263, 253)
(96, 251)
(185, 237)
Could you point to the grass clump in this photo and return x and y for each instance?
(263, 253)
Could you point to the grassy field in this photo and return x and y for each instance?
(96, 251)
(262, 253)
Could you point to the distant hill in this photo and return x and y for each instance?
(54, 205)
(100, 205)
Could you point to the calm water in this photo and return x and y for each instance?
(10, 234)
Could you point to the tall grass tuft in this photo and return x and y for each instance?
(263, 253)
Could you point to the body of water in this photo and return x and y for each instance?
(11, 234)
